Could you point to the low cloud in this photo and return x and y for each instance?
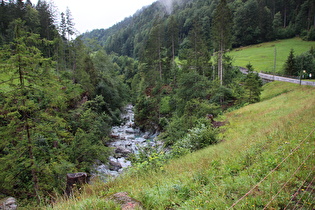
(168, 4)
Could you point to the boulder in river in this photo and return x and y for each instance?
(114, 166)
(123, 151)
(8, 204)
(130, 130)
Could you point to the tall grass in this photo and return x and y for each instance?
(261, 56)
(256, 139)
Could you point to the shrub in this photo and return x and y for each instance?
(197, 138)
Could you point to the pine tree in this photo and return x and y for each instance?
(63, 26)
(290, 64)
(198, 56)
(26, 109)
(173, 33)
(252, 85)
(154, 54)
(69, 23)
(222, 23)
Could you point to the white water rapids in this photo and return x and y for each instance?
(126, 139)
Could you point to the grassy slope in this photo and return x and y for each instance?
(261, 56)
(256, 139)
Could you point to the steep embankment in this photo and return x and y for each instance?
(267, 154)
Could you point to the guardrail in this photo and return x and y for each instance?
(279, 78)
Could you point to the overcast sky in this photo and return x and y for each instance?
(97, 14)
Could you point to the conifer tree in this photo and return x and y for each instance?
(173, 33)
(290, 64)
(69, 23)
(25, 116)
(63, 26)
(222, 23)
(198, 55)
(252, 85)
(154, 53)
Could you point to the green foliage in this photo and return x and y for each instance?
(30, 127)
(310, 34)
(192, 86)
(149, 159)
(217, 176)
(252, 86)
(222, 95)
(146, 114)
(197, 138)
(194, 112)
(246, 23)
(165, 107)
(305, 64)
(290, 67)
(300, 65)
(51, 126)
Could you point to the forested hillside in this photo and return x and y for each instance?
(253, 21)
(172, 54)
(57, 101)
(61, 94)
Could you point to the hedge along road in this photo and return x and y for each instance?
(270, 77)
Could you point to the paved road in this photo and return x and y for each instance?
(278, 78)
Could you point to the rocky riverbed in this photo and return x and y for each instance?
(126, 139)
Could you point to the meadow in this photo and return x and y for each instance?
(262, 56)
(265, 159)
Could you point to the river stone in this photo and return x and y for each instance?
(130, 124)
(126, 202)
(8, 204)
(114, 166)
(114, 135)
(130, 130)
(122, 151)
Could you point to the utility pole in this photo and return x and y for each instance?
(274, 64)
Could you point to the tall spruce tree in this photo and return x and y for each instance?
(154, 54)
(69, 23)
(221, 30)
(198, 55)
(252, 85)
(290, 64)
(27, 122)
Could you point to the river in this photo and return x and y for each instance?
(126, 139)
